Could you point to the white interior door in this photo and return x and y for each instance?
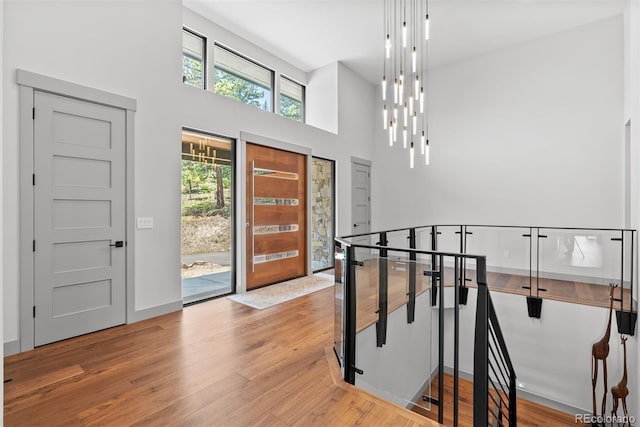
(360, 197)
(79, 217)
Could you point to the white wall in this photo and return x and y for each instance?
(527, 135)
(2, 282)
(632, 112)
(322, 98)
(103, 45)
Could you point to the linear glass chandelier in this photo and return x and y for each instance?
(406, 35)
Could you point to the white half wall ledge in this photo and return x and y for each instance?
(53, 85)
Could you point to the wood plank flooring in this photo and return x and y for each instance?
(559, 290)
(529, 414)
(218, 363)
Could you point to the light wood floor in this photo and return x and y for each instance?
(529, 414)
(218, 363)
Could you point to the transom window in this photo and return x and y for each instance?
(193, 58)
(241, 79)
(291, 99)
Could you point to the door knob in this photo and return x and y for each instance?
(355, 225)
(117, 244)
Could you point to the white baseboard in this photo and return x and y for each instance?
(160, 310)
(11, 348)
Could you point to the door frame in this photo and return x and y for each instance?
(241, 170)
(28, 83)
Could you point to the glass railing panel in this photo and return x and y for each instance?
(575, 260)
(401, 370)
(448, 239)
(423, 239)
(630, 269)
(398, 239)
(367, 279)
(509, 257)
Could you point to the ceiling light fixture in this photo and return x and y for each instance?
(406, 32)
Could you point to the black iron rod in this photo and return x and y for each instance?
(407, 250)
(503, 378)
(489, 226)
(441, 343)
(493, 398)
(383, 292)
(350, 317)
(622, 270)
(434, 280)
(513, 415)
(411, 303)
(501, 360)
(496, 417)
(530, 261)
(631, 267)
(538, 263)
(498, 331)
(495, 374)
(456, 339)
(480, 350)
(464, 260)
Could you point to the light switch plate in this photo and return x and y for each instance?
(145, 222)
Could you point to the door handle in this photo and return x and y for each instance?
(252, 219)
(355, 225)
(117, 244)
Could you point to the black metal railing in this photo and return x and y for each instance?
(534, 238)
(494, 375)
(494, 378)
(346, 266)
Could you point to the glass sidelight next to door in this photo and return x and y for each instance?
(207, 216)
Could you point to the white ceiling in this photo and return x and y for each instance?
(312, 33)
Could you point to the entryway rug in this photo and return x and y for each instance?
(275, 294)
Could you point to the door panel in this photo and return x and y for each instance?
(276, 213)
(79, 211)
(264, 187)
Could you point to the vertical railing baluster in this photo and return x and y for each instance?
(441, 342)
(481, 350)
(411, 302)
(350, 317)
(622, 270)
(633, 232)
(434, 268)
(456, 339)
(383, 292)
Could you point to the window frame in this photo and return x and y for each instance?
(205, 44)
(271, 71)
(303, 101)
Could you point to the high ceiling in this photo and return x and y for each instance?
(312, 33)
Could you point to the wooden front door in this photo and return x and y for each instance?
(276, 215)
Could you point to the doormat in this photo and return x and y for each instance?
(286, 291)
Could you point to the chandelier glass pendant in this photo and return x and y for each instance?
(406, 36)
